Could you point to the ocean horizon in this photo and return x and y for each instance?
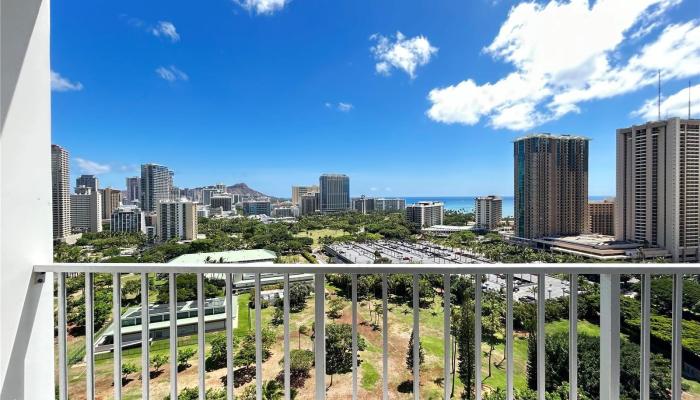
(466, 203)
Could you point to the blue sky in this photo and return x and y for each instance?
(275, 92)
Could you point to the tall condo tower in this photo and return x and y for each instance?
(60, 192)
(156, 186)
(335, 192)
(551, 185)
(658, 186)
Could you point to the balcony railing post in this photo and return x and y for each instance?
(477, 336)
(89, 336)
(573, 337)
(258, 338)
(385, 338)
(354, 335)
(447, 330)
(287, 356)
(145, 339)
(117, 333)
(645, 338)
(172, 288)
(677, 335)
(541, 317)
(509, 336)
(320, 335)
(62, 339)
(229, 338)
(416, 336)
(609, 336)
(201, 335)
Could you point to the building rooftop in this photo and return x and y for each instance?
(545, 135)
(228, 257)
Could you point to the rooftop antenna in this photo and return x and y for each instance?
(658, 102)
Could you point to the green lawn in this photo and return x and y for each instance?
(317, 234)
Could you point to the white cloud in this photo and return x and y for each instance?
(171, 74)
(345, 107)
(341, 106)
(267, 7)
(166, 29)
(675, 105)
(401, 53)
(61, 84)
(566, 53)
(91, 167)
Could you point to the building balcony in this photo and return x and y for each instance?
(378, 338)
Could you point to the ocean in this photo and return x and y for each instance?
(466, 204)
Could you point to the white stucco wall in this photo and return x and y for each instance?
(26, 321)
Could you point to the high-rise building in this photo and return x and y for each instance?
(156, 186)
(309, 203)
(298, 191)
(176, 220)
(388, 205)
(90, 181)
(335, 192)
(60, 192)
(363, 204)
(658, 186)
(488, 212)
(222, 200)
(86, 210)
(285, 212)
(128, 219)
(133, 190)
(551, 185)
(208, 193)
(111, 200)
(257, 207)
(425, 214)
(601, 217)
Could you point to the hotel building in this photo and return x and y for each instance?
(601, 217)
(60, 192)
(86, 210)
(335, 192)
(176, 220)
(299, 191)
(425, 214)
(488, 212)
(658, 182)
(551, 185)
(156, 186)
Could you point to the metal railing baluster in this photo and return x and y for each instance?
(509, 337)
(229, 338)
(385, 339)
(201, 336)
(416, 336)
(89, 336)
(62, 339)
(541, 282)
(477, 336)
(320, 335)
(609, 336)
(117, 333)
(677, 335)
(172, 288)
(644, 368)
(447, 327)
(258, 338)
(354, 335)
(145, 339)
(287, 355)
(573, 337)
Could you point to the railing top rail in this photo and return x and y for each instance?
(373, 268)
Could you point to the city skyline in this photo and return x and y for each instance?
(247, 88)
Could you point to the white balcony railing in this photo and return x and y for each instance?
(609, 319)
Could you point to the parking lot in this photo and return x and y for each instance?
(398, 252)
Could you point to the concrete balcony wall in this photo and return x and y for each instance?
(26, 321)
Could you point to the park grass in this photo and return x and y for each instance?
(370, 376)
(316, 235)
